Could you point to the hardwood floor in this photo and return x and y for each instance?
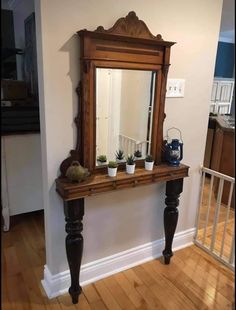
(193, 280)
(229, 229)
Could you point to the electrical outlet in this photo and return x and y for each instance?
(175, 88)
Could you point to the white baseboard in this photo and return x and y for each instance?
(58, 284)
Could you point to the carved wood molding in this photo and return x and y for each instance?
(135, 47)
(130, 26)
(74, 156)
(78, 118)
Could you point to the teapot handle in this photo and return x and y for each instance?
(75, 163)
(180, 134)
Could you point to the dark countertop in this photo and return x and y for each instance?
(226, 122)
(18, 120)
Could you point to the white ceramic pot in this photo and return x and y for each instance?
(100, 163)
(120, 160)
(130, 169)
(112, 172)
(149, 165)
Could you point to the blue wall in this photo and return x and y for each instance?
(224, 66)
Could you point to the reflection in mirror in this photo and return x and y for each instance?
(124, 108)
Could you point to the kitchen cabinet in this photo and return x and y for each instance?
(223, 154)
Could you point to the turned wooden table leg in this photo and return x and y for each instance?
(173, 190)
(74, 211)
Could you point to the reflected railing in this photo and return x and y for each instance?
(129, 145)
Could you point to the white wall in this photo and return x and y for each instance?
(135, 99)
(108, 88)
(120, 221)
(103, 90)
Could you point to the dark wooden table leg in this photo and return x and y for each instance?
(74, 211)
(173, 190)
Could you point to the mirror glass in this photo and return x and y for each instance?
(124, 109)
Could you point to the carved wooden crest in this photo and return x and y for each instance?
(130, 26)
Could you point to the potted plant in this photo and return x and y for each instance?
(101, 159)
(130, 164)
(138, 154)
(112, 168)
(149, 162)
(120, 156)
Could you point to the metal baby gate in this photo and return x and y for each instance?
(215, 231)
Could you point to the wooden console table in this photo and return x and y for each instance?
(73, 195)
(128, 46)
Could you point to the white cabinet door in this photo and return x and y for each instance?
(22, 178)
(225, 90)
(221, 95)
(214, 91)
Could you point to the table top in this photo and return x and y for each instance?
(100, 183)
(227, 123)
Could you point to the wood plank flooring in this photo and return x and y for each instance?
(229, 229)
(193, 280)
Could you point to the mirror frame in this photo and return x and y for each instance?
(127, 45)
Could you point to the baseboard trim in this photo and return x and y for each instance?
(58, 284)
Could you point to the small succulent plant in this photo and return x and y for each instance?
(138, 153)
(149, 159)
(112, 164)
(102, 158)
(120, 155)
(130, 160)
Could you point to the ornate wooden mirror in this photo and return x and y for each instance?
(121, 93)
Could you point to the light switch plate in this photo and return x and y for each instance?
(175, 88)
